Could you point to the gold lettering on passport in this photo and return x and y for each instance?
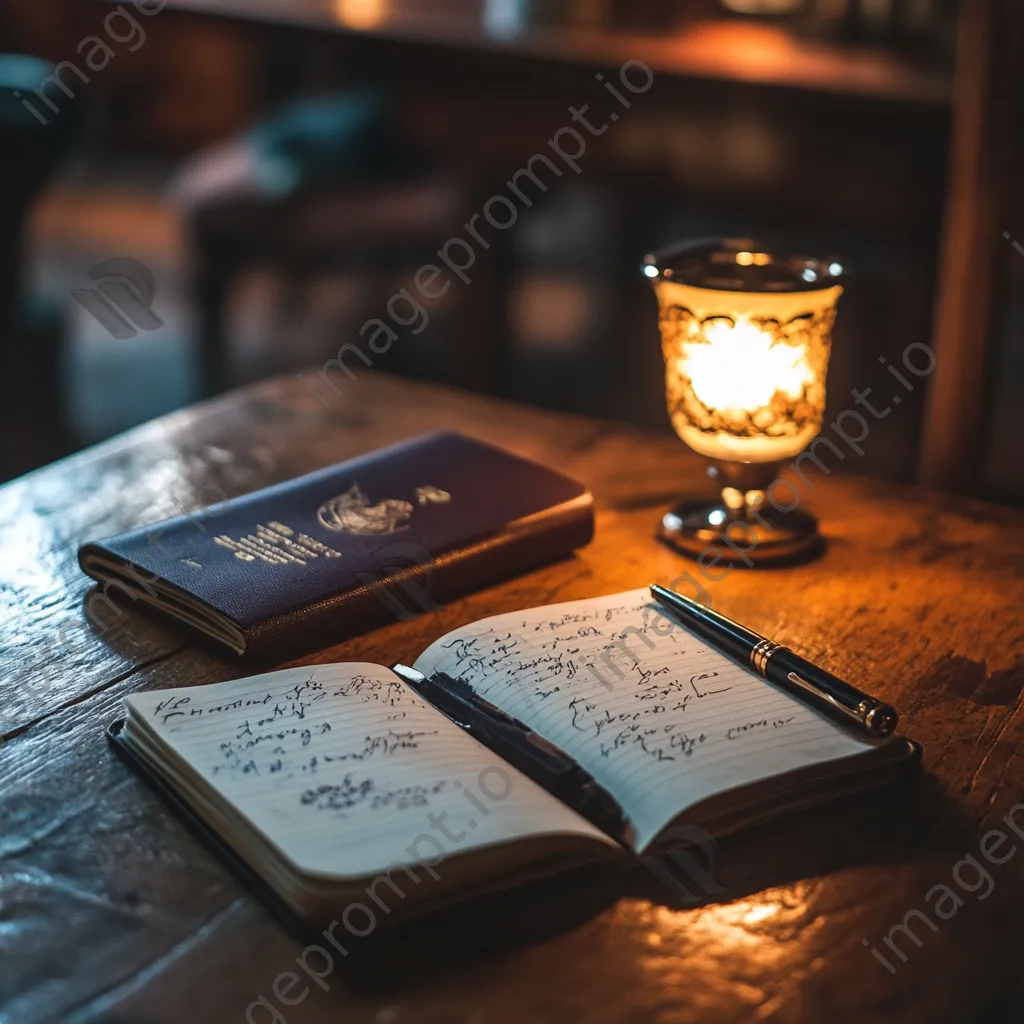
(352, 512)
(276, 544)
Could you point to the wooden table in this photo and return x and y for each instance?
(110, 910)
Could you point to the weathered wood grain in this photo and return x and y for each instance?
(110, 911)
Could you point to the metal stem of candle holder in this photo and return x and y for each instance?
(741, 526)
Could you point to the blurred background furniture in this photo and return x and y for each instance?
(750, 129)
(327, 185)
(32, 147)
(828, 125)
(975, 410)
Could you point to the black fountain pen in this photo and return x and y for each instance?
(780, 665)
(515, 742)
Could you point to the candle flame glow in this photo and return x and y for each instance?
(738, 368)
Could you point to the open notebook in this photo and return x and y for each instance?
(336, 783)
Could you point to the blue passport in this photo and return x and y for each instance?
(311, 561)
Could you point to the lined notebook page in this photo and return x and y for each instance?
(340, 765)
(658, 718)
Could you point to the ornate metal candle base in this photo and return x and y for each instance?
(741, 527)
(778, 538)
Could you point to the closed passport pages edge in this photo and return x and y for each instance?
(312, 561)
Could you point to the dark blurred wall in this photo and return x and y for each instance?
(859, 177)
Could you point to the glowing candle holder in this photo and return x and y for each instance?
(746, 335)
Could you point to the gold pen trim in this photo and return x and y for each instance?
(761, 653)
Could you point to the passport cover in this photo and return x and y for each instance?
(315, 560)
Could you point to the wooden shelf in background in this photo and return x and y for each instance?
(726, 50)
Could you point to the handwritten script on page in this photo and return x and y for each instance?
(656, 716)
(340, 765)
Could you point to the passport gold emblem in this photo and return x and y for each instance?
(432, 494)
(352, 512)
